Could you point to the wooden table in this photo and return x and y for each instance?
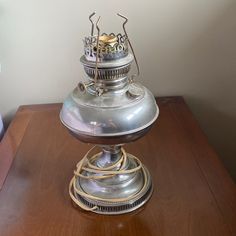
(194, 194)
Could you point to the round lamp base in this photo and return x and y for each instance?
(111, 182)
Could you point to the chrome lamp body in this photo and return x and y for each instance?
(109, 109)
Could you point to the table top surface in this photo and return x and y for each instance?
(193, 193)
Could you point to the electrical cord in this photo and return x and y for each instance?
(96, 173)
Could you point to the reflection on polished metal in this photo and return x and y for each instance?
(109, 109)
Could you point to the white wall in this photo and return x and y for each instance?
(184, 47)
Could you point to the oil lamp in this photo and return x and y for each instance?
(109, 109)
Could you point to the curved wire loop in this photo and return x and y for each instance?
(131, 47)
(90, 19)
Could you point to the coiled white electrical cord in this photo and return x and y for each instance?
(101, 173)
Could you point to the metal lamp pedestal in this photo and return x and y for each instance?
(121, 186)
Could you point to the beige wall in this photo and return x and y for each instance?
(184, 47)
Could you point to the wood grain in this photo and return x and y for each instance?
(11, 142)
(194, 195)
